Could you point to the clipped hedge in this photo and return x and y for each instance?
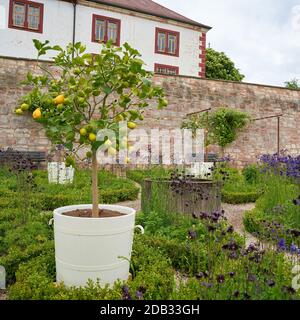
(139, 175)
(240, 197)
(47, 197)
(151, 274)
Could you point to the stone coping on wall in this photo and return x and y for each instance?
(178, 76)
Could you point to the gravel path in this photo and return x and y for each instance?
(235, 214)
(136, 204)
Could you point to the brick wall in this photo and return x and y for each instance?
(185, 95)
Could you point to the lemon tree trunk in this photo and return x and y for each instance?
(95, 192)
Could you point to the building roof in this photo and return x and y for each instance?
(152, 8)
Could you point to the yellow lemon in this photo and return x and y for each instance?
(59, 99)
(119, 118)
(83, 132)
(131, 125)
(92, 137)
(19, 111)
(24, 107)
(37, 114)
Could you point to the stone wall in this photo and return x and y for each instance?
(185, 95)
(188, 95)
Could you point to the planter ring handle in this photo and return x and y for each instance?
(50, 223)
(140, 228)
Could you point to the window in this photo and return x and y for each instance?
(166, 70)
(26, 15)
(105, 29)
(167, 42)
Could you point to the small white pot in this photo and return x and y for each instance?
(93, 248)
(60, 174)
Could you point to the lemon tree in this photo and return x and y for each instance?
(81, 93)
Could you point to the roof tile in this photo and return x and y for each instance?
(152, 8)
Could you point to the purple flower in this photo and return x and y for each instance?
(192, 235)
(140, 293)
(282, 245)
(294, 233)
(296, 202)
(271, 283)
(289, 290)
(252, 278)
(207, 284)
(202, 275)
(294, 248)
(233, 255)
(231, 246)
(221, 278)
(230, 229)
(125, 293)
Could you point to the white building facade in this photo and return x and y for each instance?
(169, 43)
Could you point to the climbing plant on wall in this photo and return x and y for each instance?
(222, 126)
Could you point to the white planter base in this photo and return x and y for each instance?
(58, 173)
(93, 248)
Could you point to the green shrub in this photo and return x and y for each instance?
(275, 215)
(155, 172)
(251, 174)
(252, 221)
(35, 280)
(47, 196)
(240, 197)
(16, 256)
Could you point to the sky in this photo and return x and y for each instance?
(262, 37)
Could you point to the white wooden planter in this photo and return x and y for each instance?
(202, 170)
(93, 248)
(60, 174)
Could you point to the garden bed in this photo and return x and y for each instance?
(276, 217)
(47, 197)
(236, 189)
(177, 258)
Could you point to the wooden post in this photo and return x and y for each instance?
(278, 135)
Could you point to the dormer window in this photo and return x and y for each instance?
(26, 15)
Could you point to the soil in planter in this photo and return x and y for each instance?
(87, 213)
